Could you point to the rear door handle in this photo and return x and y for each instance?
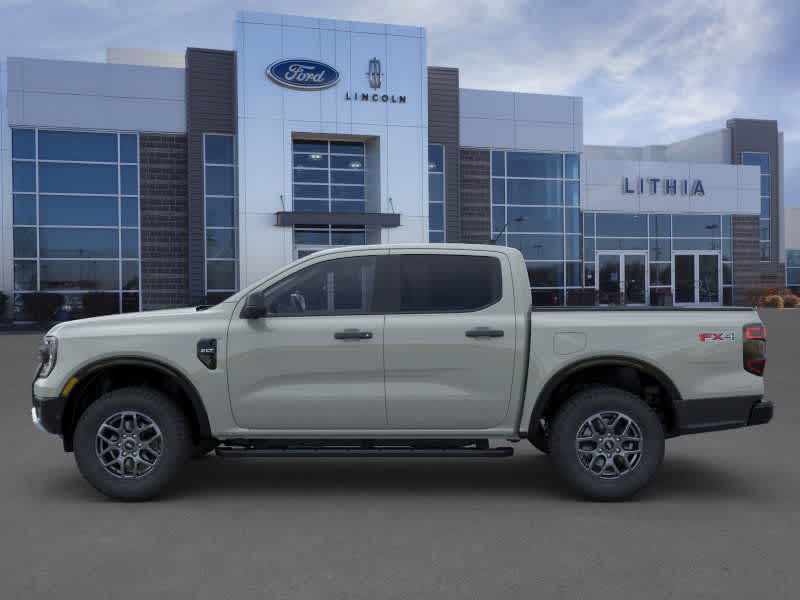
(353, 334)
(481, 332)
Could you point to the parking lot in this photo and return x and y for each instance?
(722, 519)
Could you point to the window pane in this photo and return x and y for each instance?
(348, 238)
(220, 243)
(78, 243)
(348, 206)
(759, 159)
(538, 247)
(793, 277)
(727, 226)
(546, 274)
(219, 149)
(318, 238)
(130, 212)
(75, 145)
(219, 212)
(316, 161)
(130, 275)
(24, 209)
(311, 175)
(573, 274)
(695, 244)
(498, 191)
(347, 148)
(77, 210)
(588, 273)
(498, 163)
(130, 243)
(660, 274)
(77, 179)
(727, 249)
(23, 143)
(219, 181)
(23, 176)
(696, 225)
(311, 205)
(310, 146)
(498, 218)
(763, 229)
(660, 226)
(129, 180)
(588, 224)
(793, 258)
(727, 273)
(588, 249)
(435, 158)
(539, 220)
(765, 185)
(660, 249)
(530, 164)
(436, 187)
(128, 149)
(436, 216)
(344, 162)
(347, 192)
(310, 191)
(572, 189)
(547, 297)
(572, 246)
(79, 275)
(435, 237)
(25, 242)
(130, 303)
(221, 275)
(445, 283)
(25, 275)
(341, 285)
(765, 207)
(353, 177)
(572, 220)
(621, 243)
(573, 166)
(521, 191)
(625, 225)
(765, 251)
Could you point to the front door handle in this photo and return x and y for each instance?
(484, 332)
(353, 334)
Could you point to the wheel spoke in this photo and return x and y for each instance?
(121, 449)
(609, 444)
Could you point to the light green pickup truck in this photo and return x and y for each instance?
(396, 351)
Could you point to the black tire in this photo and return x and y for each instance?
(584, 479)
(175, 446)
(540, 441)
(203, 448)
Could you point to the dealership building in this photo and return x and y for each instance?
(159, 179)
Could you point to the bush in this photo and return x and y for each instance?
(758, 295)
(41, 307)
(97, 304)
(790, 301)
(772, 301)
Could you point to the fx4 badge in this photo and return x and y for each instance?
(718, 337)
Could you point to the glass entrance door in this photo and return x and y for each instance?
(697, 278)
(622, 278)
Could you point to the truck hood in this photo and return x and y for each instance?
(128, 319)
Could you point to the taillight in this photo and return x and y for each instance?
(754, 348)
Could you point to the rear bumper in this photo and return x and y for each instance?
(715, 414)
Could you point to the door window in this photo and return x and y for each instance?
(340, 286)
(436, 283)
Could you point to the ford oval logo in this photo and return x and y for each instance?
(303, 74)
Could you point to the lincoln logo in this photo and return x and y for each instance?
(374, 74)
(301, 74)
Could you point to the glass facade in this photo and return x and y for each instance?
(435, 193)
(536, 209)
(76, 220)
(793, 268)
(761, 160)
(219, 163)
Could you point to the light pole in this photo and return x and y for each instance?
(503, 230)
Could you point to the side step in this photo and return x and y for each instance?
(340, 452)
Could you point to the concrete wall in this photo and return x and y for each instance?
(145, 58)
(521, 121)
(711, 147)
(82, 95)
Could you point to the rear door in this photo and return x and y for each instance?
(449, 338)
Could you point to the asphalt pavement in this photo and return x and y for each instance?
(721, 521)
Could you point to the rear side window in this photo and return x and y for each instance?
(430, 283)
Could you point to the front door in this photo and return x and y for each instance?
(316, 360)
(622, 278)
(697, 278)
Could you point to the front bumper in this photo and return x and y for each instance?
(715, 414)
(48, 414)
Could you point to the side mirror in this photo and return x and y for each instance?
(255, 307)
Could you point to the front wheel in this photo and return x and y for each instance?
(606, 443)
(130, 443)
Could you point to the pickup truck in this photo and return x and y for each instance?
(396, 350)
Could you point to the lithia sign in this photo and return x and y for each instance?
(306, 74)
(667, 186)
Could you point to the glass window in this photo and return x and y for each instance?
(57, 242)
(67, 178)
(572, 191)
(660, 249)
(765, 251)
(573, 166)
(573, 274)
(77, 146)
(130, 243)
(130, 212)
(528, 191)
(727, 225)
(129, 180)
(219, 212)
(353, 177)
(220, 275)
(80, 275)
(436, 217)
(219, 181)
(348, 238)
(130, 275)
(695, 244)
(542, 274)
(219, 149)
(347, 192)
(623, 225)
(347, 148)
(588, 224)
(312, 205)
(343, 285)
(498, 163)
(530, 164)
(436, 187)
(660, 226)
(572, 220)
(498, 191)
(551, 297)
(435, 192)
(341, 162)
(25, 242)
(588, 249)
(727, 249)
(347, 206)
(311, 191)
(220, 243)
(696, 225)
(660, 274)
(311, 175)
(764, 229)
(765, 207)
(435, 158)
(24, 275)
(23, 143)
(24, 209)
(765, 191)
(23, 176)
(588, 273)
(443, 283)
(621, 243)
(312, 146)
(318, 161)
(77, 210)
(535, 219)
(759, 159)
(538, 247)
(316, 238)
(793, 258)
(128, 148)
(572, 247)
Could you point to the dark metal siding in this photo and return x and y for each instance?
(443, 115)
(210, 108)
(475, 199)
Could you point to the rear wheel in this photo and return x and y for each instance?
(606, 443)
(130, 443)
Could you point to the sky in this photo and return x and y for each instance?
(649, 72)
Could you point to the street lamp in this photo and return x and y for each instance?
(503, 230)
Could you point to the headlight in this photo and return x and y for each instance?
(48, 353)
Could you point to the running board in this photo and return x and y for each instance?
(341, 452)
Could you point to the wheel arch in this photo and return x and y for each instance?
(98, 377)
